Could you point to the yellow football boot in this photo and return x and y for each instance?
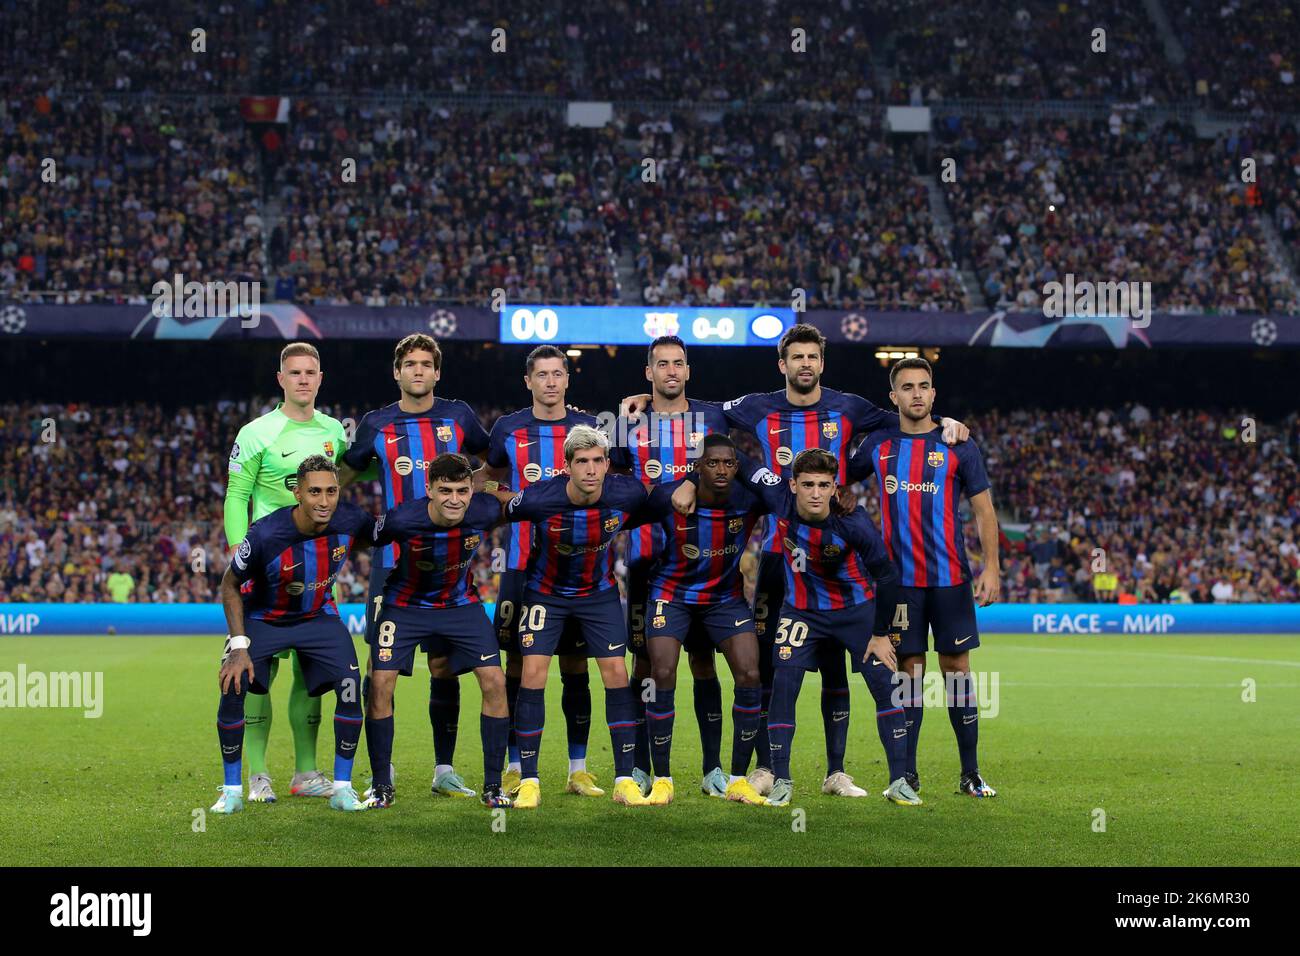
(529, 796)
(628, 793)
(661, 794)
(583, 783)
(742, 791)
(510, 781)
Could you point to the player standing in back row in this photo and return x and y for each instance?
(921, 481)
(525, 447)
(659, 448)
(402, 439)
(263, 469)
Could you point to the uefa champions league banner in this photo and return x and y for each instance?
(532, 324)
(1047, 619)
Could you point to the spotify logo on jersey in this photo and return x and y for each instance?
(532, 471)
(891, 484)
(403, 465)
(690, 551)
(295, 587)
(784, 455)
(653, 468)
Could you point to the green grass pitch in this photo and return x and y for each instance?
(1151, 730)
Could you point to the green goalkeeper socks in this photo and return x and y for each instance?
(257, 726)
(304, 720)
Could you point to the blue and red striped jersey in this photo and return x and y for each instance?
(783, 430)
(531, 449)
(433, 566)
(921, 481)
(657, 449)
(571, 554)
(403, 443)
(292, 573)
(700, 561)
(829, 564)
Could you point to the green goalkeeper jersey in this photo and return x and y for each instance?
(264, 464)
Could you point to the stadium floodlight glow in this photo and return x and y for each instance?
(573, 353)
(897, 355)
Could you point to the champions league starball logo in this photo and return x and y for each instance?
(13, 320)
(442, 323)
(1263, 332)
(998, 330)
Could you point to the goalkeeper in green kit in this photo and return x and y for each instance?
(263, 469)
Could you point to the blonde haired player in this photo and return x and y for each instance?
(263, 471)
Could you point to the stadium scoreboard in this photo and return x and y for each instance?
(639, 325)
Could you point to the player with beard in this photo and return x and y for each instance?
(921, 481)
(657, 449)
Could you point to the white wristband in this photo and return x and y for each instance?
(239, 642)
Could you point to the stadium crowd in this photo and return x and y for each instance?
(1032, 49)
(1241, 54)
(140, 191)
(1110, 201)
(445, 205)
(450, 204)
(139, 516)
(748, 209)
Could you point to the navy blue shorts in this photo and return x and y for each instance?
(949, 612)
(640, 613)
(801, 637)
(461, 634)
(712, 622)
(323, 645)
(374, 597)
(543, 618)
(510, 597)
(769, 595)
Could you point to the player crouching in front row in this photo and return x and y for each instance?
(292, 556)
(830, 562)
(429, 602)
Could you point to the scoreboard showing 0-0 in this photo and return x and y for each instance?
(637, 325)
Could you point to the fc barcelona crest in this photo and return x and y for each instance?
(831, 551)
(785, 652)
(473, 542)
(385, 654)
(659, 622)
(934, 459)
(337, 553)
(611, 525)
(444, 433)
(526, 640)
(830, 429)
(735, 525)
(329, 449)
